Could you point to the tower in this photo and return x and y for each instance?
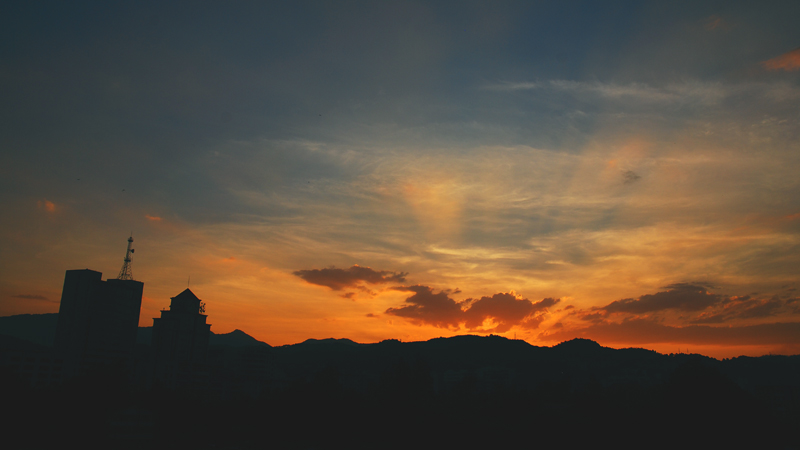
(180, 343)
(98, 320)
(125, 273)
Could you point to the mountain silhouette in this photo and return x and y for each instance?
(38, 328)
(236, 338)
(468, 391)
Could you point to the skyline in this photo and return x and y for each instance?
(410, 170)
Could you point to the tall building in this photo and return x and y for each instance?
(98, 320)
(180, 343)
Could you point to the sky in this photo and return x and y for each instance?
(625, 172)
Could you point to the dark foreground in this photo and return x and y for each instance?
(471, 392)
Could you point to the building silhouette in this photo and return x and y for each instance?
(180, 344)
(97, 322)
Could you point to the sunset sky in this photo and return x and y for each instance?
(627, 172)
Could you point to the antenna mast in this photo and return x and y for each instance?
(125, 273)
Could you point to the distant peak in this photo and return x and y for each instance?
(236, 338)
(580, 343)
(330, 341)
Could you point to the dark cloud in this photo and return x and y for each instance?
(685, 298)
(504, 309)
(428, 308)
(642, 331)
(338, 279)
(596, 317)
(743, 308)
(630, 176)
(693, 286)
(366, 290)
(711, 318)
(31, 297)
(761, 308)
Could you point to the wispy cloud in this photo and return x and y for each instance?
(686, 93)
(715, 22)
(789, 61)
(696, 91)
(742, 308)
(31, 297)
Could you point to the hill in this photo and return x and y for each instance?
(466, 391)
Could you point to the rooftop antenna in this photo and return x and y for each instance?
(125, 273)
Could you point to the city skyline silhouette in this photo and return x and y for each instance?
(247, 394)
(152, 387)
(509, 311)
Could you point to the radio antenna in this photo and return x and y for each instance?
(125, 273)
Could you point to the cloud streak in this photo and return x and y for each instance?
(709, 93)
(338, 279)
(743, 308)
(31, 297)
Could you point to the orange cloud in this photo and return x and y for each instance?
(47, 205)
(788, 61)
(714, 22)
(153, 218)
